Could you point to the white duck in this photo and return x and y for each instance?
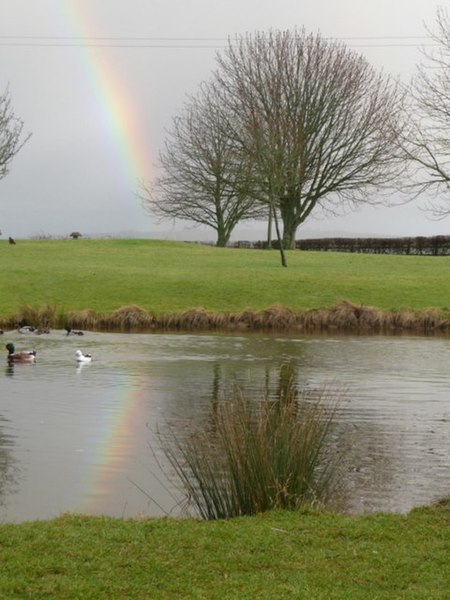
(83, 358)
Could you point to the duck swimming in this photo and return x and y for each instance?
(25, 356)
(71, 331)
(83, 358)
(26, 329)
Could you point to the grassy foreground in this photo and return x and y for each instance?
(278, 555)
(166, 277)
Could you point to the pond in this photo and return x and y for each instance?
(83, 439)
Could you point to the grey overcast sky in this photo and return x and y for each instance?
(96, 82)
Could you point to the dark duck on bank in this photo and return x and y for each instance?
(25, 356)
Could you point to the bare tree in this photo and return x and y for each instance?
(314, 119)
(426, 142)
(11, 140)
(203, 180)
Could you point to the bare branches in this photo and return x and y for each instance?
(289, 121)
(204, 178)
(317, 122)
(11, 140)
(426, 142)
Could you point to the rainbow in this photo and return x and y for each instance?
(117, 108)
(108, 452)
(118, 429)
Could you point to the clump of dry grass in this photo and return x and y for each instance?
(257, 455)
(127, 318)
(404, 320)
(85, 319)
(275, 317)
(191, 319)
(43, 317)
(433, 320)
(349, 317)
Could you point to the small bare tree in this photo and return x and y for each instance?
(11, 140)
(426, 143)
(315, 120)
(204, 179)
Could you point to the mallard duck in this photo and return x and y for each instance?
(26, 356)
(83, 358)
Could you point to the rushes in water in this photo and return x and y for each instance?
(257, 455)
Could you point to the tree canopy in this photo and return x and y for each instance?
(288, 122)
(203, 178)
(317, 122)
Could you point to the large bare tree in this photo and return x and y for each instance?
(203, 178)
(316, 121)
(11, 140)
(426, 142)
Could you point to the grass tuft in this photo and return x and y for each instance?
(255, 456)
(127, 318)
(44, 317)
(85, 319)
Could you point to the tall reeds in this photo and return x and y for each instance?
(257, 455)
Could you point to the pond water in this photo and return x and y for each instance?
(82, 439)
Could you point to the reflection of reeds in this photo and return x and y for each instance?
(345, 317)
(257, 455)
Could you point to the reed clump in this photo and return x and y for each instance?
(257, 455)
(193, 319)
(44, 317)
(347, 316)
(85, 319)
(127, 318)
(276, 317)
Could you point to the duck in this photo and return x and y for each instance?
(26, 329)
(25, 356)
(42, 330)
(83, 358)
(71, 331)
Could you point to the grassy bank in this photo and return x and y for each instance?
(168, 279)
(277, 555)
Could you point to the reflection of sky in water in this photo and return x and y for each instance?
(79, 440)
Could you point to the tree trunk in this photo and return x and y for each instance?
(222, 237)
(287, 211)
(289, 231)
(280, 241)
(269, 230)
(289, 239)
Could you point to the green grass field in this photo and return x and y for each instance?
(278, 555)
(167, 277)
